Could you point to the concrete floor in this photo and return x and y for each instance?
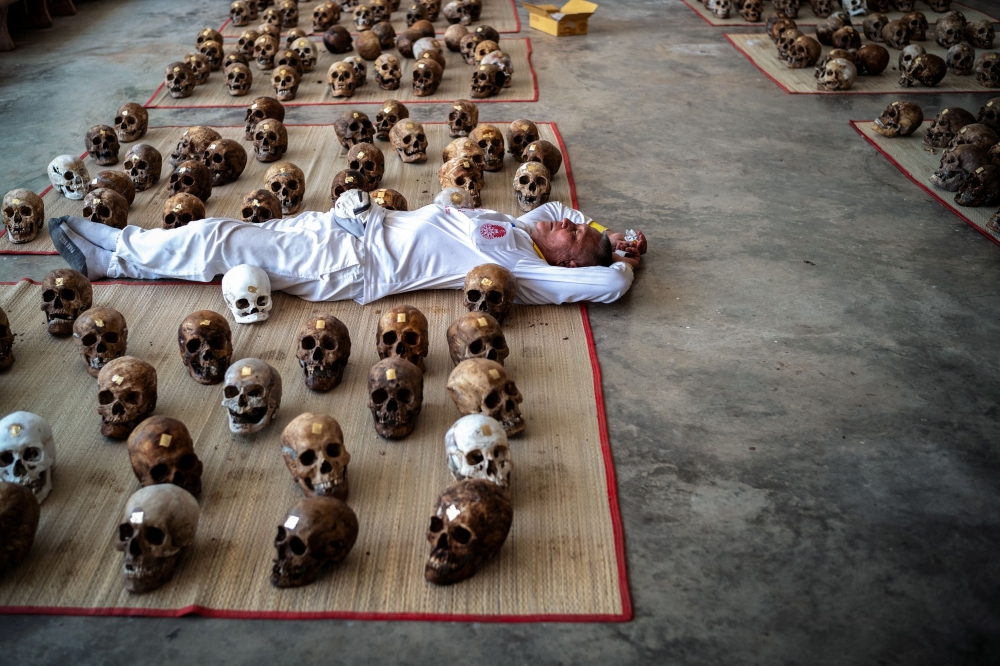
(801, 385)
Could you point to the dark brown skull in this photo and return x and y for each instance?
(193, 144)
(487, 81)
(395, 396)
(143, 164)
(270, 140)
(101, 335)
(900, 118)
(126, 395)
(949, 31)
(161, 451)
(388, 72)
(988, 70)
(390, 114)
(916, 24)
(980, 34)
(117, 181)
(961, 59)
(946, 125)
(957, 165)
(226, 159)
(427, 76)
(131, 122)
(6, 342)
(927, 69)
(324, 347)
(102, 144)
(389, 199)
(354, 127)
(477, 335)
(260, 206)
(871, 59)
(206, 346)
(490, 288)
(259, 109)
(19, 516)
(106, 207)
(981, 188)
(463, 118)
(317, 532)
(873, 25)
(896, 34)
(65, 294)
(179, 79)
(180, 209)
(193, 177)
(491, 141)
(976, 134)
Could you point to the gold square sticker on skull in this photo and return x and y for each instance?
(252, 289)
(16, 202)
(349, 179)
(205, 322)
(15, 430)
(486, 282)
(59, 282)
(165, 440)
(390, 373)
(320, 323)
(136, 517)
(361, 156)
(494, 373)
(386, 110)
(118, 379)
(401, 318)
(453, 512)
(482, 322)
(487, 431)
(246, 371)
(99, 323)
(317, 428)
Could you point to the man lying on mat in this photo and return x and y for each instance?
(364, 252)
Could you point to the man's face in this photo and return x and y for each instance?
(567, 244)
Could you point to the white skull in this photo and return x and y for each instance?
(251, 394)
(477, 449)
(247, 291)
(69, 177)
(855, 7)
(27, 452)
(454, 196)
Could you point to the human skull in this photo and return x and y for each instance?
(777, 25)
(324, 347)
(490, 141)
(239, 14)
(395, 396)
(181, 209)
(387, 117)
(126, 395)
(337, 40)
(285, 81)
(481, 386)
(344, 180)
(117, 181)
(360, 69)
(476, 448)
(467, 47)
(751, 10)
(532, 186)
(873, 26)
(200, 65)
(381, 11)
(409, 141)
(193, 144)
(389, 199)
(949, 31)
(193, 177)
(307, 52)
(961, 59)
(235, 58)
(908, 54)
(989, 115)
(848, 38)
(247, 291)
(354, 127)
(245, 44)
(896, 34)
(981, 188)
(23, 216)
(976, 134)
(415, 13)
(289, 13)
(179, 79)
(270, 140)
(208, 35)
(470, 524)
(458, 12)
(131, 122)
(786, 8)
(101, 335)
(543, 151)
(325, 15)
(916, 24)
(957, 165)
(721, 8)
(317, 532)
(431, 9)
(386, 34)
(260, 206)
(388, 72)
(871, 59)
(342, 79)
(260, 109)
(402, 332)
(988, 70)
(940, 5)
(854, 7)
(270, 16)
(69, 176)
(463, 118)
(453, 37)
(804, 52)
(363, 18)
(503, 61)
(206, 346)
(927, 69)
(6, 342)
(426, 77)
(314, 452)
(161, 451)
(102, 144)
(980, 33)
(214, 53)
(226, 159)
(487, 81)
(465, 148)
(160, 522)
(946, 125)
(490, 288)
(264, 50)
(477, 335)
(785, 42)
(18, 523)
(65, 294)
(463, 173)
(426, 44)
(251, 395)
(27, 453)
(900, 118)
(903, 5)
(288, 183)
(369, 160)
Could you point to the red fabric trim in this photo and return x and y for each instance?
(761, 24)
(534, 84)
(705, 18)
(917, 182)
(751, 60)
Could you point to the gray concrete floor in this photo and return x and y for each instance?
(801, 385)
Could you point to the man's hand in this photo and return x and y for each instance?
(632, 250)
(617, 237)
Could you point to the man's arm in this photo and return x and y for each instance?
(538, 284)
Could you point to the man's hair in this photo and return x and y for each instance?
(603, 256)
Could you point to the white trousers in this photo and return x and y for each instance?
(320, 263)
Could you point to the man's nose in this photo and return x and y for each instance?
(565, 224)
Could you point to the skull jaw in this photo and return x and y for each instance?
(513, 423)
(120, 429)
(253, 316)
(208, 373)
(39, 486)
(322, 377)
(238, 91)
(425, 90)
(97, 361)
(949, 181)
(250, 420)
(443, 568)
(527, 203)
(458, 130)
(178, 92)
(387, 84)
(146, 575)
(889, 130)
(142, 183)
(285, 94)
(269, 154)
(330, 487)
(20, 233)
(61, 323)
(342, 91)
(284, 574)
(938, 139)
(388, 427)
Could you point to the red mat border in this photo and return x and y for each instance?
(531, 67)
(916, 90)
(763, 23)
(613, 504)
(555, 128)
(513, 5)
(916, 181)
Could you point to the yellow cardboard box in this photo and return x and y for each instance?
(570, 19)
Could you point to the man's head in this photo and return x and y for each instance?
(572, 245)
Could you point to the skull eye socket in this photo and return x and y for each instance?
(297, 546)
(111, 338)
(308, 342)
(474, 457)
(216, 341)
(67, 294)
(105, 397)
(217, 158)
(329, 343)
(48, 295)
(473, 295)
(193, 345)
(333, 450)
(187, 462)
(476, 346)
(500, 452)
(461, 535)
(494, 297)
(510, 388)
(88, 340)
(379, 396)
(256, 392)
(308, 457)
(6, 458)
(492, 400)
(293, 185)
(405, 395)
(389, 338)
(499, 342)
(231, 392)
(32, 454)
(103, 211)
(262, 301)
(460, 181)
(125, 532)
(155, 536)
(133, 397)
(411, 337)
(247, 212)
(242, 304)
(356, 165)
(159, 472)
(436, 524)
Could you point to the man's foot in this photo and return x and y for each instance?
(78, 252)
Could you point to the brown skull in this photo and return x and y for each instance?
(409, 141)
(143, 164)
(927, 69)
(288, 183)
(270, 140)
(23, 215)
(463, 173)
(900, 118)
(180, 209)
(946, 125)
(260, 206)
(976, 134)
(246, 42)
(260, 109)
(788, 8)
(989, 115)
(470, 524)
(193, 177)
(346, 179)
(226, 159)
(848, 38)
(6, 342)
(65, 294)
(101, 336)
(264, 50)
(337, 40)
(131, 122)
(106, 206)
(213, 51)
(949, 31)
(239, 13)
(390, 114)
(467, 47)
(386, 34)
(520, 134)
(342, 79)
(481, 386)
(896, 34)
(958, 164)
(988, 70)
(19, 516)
(354, 127)
(389, 199)
(402, 332)
(126, 395)
(369, 160)
(490, 288)
(317, 532)
(193, 144)
(314, 452)
(160, 522)
(325, 15)
(200, 65)
(467, 149)
(368, 45)
(490, 141)
(388, 72)
(324, 347)
(980, 34)
(463, 118)
(251, 395)
(532, 186)
(206, 346)
(805, 51)
(961, 59)
(178, 77)
(453, 37)
(395, 396)
(285, 81)
(477, 335)
(426, 77)
(117, 181)
(102, 144)
(981, 188)
(161, 451)
(487, 81)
